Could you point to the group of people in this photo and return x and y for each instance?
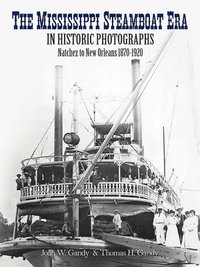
(177, 229)
(27, 179)
(24, 229)
(24, 181)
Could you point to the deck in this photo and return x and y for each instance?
(118, 190)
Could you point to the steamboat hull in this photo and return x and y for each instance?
(83, 251)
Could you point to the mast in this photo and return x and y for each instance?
(137, 118)
(75, 89)
(75, 174)
(164, 157)
(58, 127)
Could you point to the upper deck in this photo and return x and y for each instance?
(123, 131)
(124, 176)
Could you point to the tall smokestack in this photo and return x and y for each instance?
(137, 118)
(58, 130)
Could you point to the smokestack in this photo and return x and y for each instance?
(58, 130)
(137, 118)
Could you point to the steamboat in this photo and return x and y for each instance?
(84, 188)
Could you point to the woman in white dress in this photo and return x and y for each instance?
(172, 237)
(187, 215)
(190, 230)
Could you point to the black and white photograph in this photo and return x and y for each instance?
(100, 133)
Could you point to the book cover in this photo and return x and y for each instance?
(127, 81)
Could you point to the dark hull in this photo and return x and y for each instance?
(56, 260)
(88, 252)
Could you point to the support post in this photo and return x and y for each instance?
(64, 178)
(119, 171)
(92, 224)
(36, 175)
(138, 172)
(16, 224)
(76, 216)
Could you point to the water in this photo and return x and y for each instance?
(16, 262)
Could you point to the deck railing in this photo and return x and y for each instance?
(103, 189)
(104, 156)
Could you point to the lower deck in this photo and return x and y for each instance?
(136, 204)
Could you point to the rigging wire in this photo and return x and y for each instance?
(81, 124)
(125, 98)
(45, 133)
(172, 120)
(100, 112)
(195, 122)
(92, 121)
(42, 150)
(171, 175)
(175, 181)
(189, 169)
(133, 106)
(117, 109)
(142, 91)
(102, 115)
(192, 190)
(190, 78)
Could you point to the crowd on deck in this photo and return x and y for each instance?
(176, 229)
(173, 229)
(27, 179)
(156, 183)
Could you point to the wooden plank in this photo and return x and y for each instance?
(180, 254)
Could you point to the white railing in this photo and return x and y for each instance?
(103, 189)
(119, 189)
(44, 160)
(105, 157)
(46, 190)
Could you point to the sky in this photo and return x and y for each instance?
(27, 84)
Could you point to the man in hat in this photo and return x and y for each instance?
(66, 230)
(19, 181)
(159, 223)
(181, 219)
(117, 221)
(26, 230)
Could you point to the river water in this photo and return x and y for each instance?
(16, 262)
